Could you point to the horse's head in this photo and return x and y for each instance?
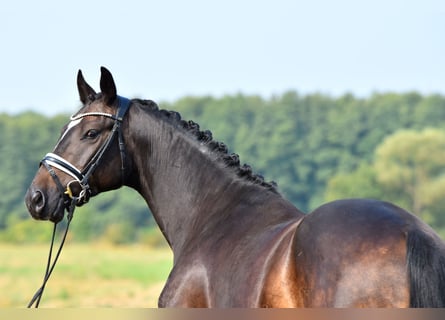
(85, 160)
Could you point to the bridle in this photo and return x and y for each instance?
(52, 160)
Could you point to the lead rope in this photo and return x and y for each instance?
(50, 266)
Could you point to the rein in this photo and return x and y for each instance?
(50, 266)
(81, 177)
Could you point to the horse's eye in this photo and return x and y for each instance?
(91, 134)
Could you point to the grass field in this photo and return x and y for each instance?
(85, 276)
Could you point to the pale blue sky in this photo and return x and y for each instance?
(164, 50)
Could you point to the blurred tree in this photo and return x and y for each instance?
(360, 183)
(413, 163)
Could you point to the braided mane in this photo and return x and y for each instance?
(205, 137)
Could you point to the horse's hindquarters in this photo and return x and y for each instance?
(352, 254)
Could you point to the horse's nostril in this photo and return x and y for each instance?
(38, 201)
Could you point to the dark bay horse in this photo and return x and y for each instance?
(236, 241)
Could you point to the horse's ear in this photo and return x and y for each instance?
(85, 91)
(107, 86)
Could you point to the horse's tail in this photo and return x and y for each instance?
(426, 270)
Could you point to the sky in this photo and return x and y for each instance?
(165, 50)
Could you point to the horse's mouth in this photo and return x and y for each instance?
(58, 213)
(41, 207)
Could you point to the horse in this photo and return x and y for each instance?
(236, 241)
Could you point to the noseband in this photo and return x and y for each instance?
(52, 160)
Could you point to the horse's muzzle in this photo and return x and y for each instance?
(44, 206)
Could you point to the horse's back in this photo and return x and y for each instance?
(352, 253)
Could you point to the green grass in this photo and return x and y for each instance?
(85, 276)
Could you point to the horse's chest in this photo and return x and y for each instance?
(257, 273)
(231, 284)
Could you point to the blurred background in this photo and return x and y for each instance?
(329, 99)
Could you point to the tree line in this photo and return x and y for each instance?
(389, 146)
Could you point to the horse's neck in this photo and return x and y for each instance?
(186, 188)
